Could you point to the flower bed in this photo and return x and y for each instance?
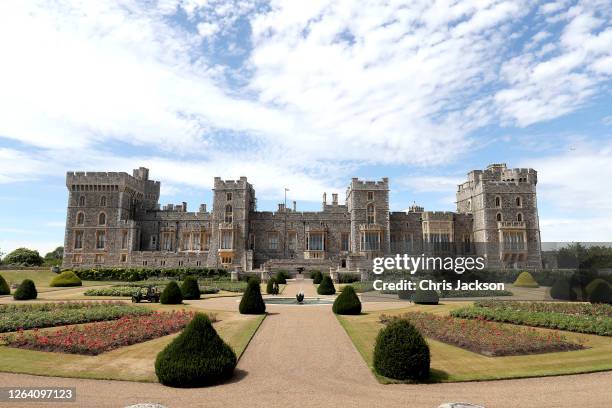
(38, 315)
(582, 309)
(474, 293)
(124, 291)
(581, 323)
(96, 338)
(487, 338)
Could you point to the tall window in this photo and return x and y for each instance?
(439, 242)
(315, 241)
(228, 196)
(292, 244)
(78, 240)
(103, 201)
(80, 218)
(153, 242)
(102, 219)
(498, 201)
(82, 201)
(519, 217)
(273, 241)
(370, 195)
(371, 219)
(370, 241)
(100, 239)
(498, 217)
(167, 241)
(514, 240)
(226, 239)
(519, 202)
(228, 213)
(395, 243)
(344, 245)
(205, 241)
(124, 240)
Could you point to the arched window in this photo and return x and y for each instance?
(498, 201)
(519, 217)
(498, 217)
(103, 201)
(469, 205)
(519, 202)
(370, 214)
(102, 219)
(82, 201)
(228, 213)
(80, 218)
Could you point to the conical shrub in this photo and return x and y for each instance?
(525, 280)
(66, 279)
(252, 302)
(601, 293)
(593, 284)
(197, 357)
(5, 289)
(401, 352)
(26, 291)
(171, 295)
(347, 303)
(326, 287)
(316, 276)
(562, 290)
(271, 289)
(190, 288)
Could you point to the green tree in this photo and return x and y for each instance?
(24, 256)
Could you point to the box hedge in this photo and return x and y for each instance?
(66, 279)
(347, 303)
(401, 352)
(138, 274)
(171, 295)
(525, 280)
(252, 302)
(326, 287)
(190, 288)
(425, 297)
(562, 290)
(197, 357)
(601, 293)
(26, 291)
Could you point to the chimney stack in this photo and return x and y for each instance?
(334, 198)
(324, 198)
(294, 206)
(202, 208)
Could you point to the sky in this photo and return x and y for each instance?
(306, 95)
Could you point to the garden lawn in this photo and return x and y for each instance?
(450, 363)
(41, 277)
(131, 363)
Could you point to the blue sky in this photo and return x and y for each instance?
(306, 95)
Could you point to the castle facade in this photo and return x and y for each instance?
(114, 219)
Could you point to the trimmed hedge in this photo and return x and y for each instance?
(401, 352)
(197, 357)
(66, 279)
(347, 303)
(601, 293)
(326, 287)
(252, 302)
(138, 274)
(592, 285)
(190, 289)
(26, 291)
(171, 295)
(426, 297)
(348, 277)
(270, 288)
(562, 290)
(4, 287)
(282, 276)
(316, 277)
(525, 280)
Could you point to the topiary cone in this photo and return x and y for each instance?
(66, 279)
(190, 288)
(601, 293)
(5, 289)
(197, 357)
(525, 280)
(252, 302)
(326, 287)
(171, 295)
(26, 291)
(347, 303)
(401, 352)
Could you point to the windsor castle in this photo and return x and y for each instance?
(114, 219)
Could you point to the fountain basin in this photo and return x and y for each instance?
(293, 301)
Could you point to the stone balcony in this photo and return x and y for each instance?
(227, 226)
(370, 227)
(314, 254)
(511, 225)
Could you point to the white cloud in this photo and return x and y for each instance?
(423, 184)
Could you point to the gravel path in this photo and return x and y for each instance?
(301, 357)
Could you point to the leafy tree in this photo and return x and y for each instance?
(24, 256)
(56, 255)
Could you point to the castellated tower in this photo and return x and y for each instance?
(505, 212)
(233, 200)
(100, 227)
(368, 207)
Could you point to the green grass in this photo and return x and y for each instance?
(41, 277)
(131, 363)
(450, 363)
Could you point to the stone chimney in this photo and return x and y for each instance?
(294, 206)
(334, 199)
(324, 198)
(202, 208)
